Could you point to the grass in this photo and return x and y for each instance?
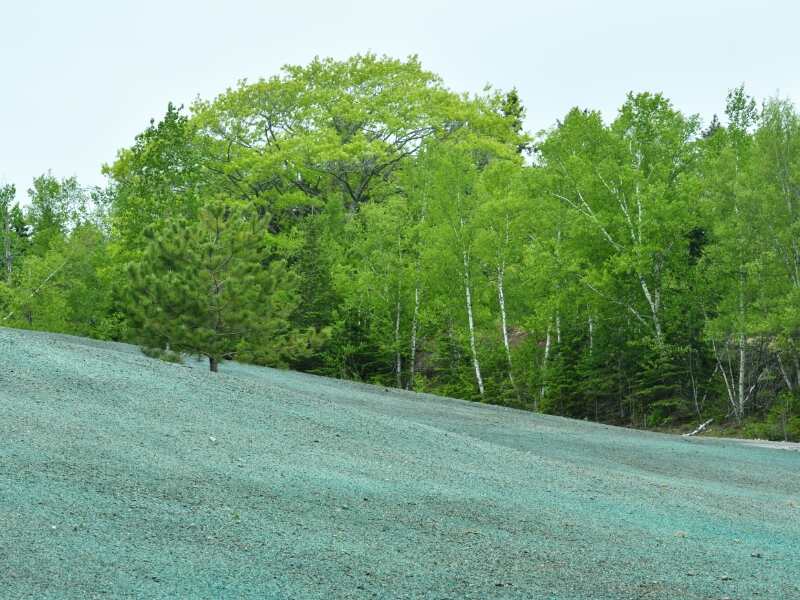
(122, 476)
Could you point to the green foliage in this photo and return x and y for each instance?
(155, 180)
(378, 226)
(209, 288)
(65, 289)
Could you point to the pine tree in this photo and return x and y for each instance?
(207, 288)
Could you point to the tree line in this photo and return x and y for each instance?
(359, 219)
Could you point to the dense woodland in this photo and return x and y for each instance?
(358, 219)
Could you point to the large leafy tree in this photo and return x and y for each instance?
(333, 129)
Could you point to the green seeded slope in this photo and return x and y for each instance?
(122, 476)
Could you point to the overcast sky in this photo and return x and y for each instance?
(79, 79)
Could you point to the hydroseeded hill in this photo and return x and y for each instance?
(122, 476)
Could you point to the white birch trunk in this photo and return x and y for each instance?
(398, 357)
(742, 357)
(653, 302)
(413, 358)
(503, 322)
(740, 386)
(543, 388)
(471, 322)
(7, 259)
(501, 299)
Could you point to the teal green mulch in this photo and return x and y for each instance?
(125, 477)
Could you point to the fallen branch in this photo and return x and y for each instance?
(700, 429)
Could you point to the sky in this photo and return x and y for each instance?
(79, 79)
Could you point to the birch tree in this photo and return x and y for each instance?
(732, 263)
(503, 223)
(7, 195)
(453, 206)
(621, 183)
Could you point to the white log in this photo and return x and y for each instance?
(700, 429)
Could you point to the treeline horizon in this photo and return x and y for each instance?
(358, 219)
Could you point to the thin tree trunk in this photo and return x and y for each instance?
(471, 322)
(653, 302)
(503, 323)
(797, 370)
(414, 318)
(501, 299)
(558, 328)
(742, 357)
(543, 387)
(789, 385)
(694, 385)
(398, 358)
(740, 386)
(727, 377)
(7, 258)
(213, 364)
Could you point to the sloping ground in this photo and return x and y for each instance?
(122, 476)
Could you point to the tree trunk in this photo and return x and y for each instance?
(653, 301)
(558, 328)
(412, 364)
(7, 258)
(398, 358)
(543, 387)
(471, 322)
(213, 364)
(740, 386)
(501, 298)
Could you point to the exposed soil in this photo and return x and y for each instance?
(125, 477)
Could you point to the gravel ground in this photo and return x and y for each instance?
(125, 477)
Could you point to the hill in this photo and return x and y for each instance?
(123, 476)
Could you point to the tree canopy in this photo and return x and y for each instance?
(357, 218)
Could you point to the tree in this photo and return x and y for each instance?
(7, 195)
(56, 207)
(732, 262)
(333, 129)
(209, 288)
(160, 177)
(66, 289)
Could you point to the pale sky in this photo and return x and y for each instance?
(79, 79)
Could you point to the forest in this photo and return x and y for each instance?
(361, 220)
